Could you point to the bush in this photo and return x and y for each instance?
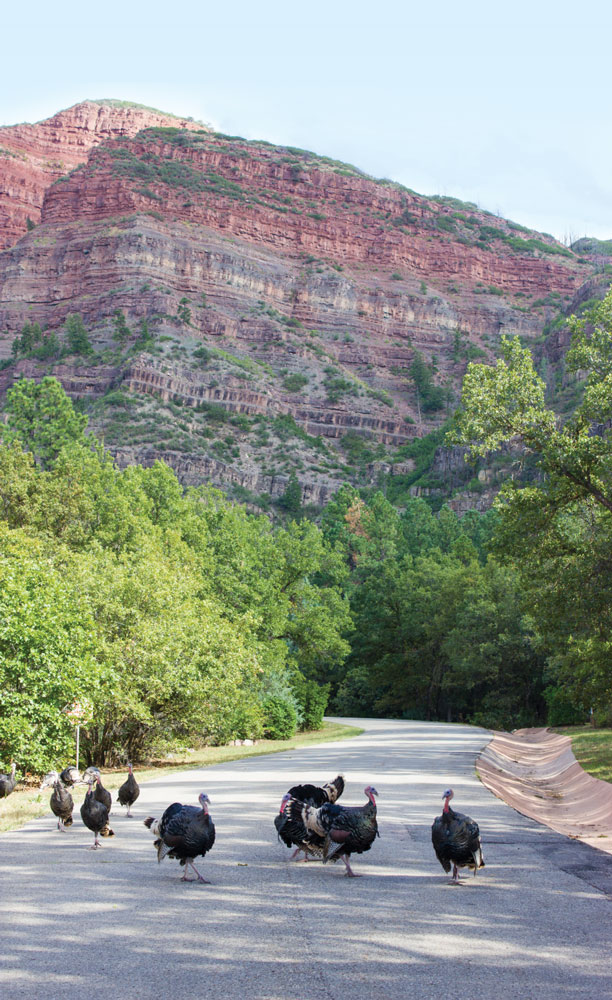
(280, 718)
(248, 722)
(312, 699)
(294, 383)
(562, 711)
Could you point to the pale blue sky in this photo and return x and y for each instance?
(505, 105)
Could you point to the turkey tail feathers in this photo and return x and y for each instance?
(162, 849)
(107, 832)
(334, 789)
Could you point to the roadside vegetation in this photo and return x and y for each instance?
(592, 749)
(182, 618)
(28, 802)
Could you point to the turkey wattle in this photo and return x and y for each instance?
(184, 832)
(345, 830)
(456, 840)
(101, 794)
(292, 831)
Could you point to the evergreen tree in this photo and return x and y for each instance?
(77, 338)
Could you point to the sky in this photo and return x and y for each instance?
(505, 105)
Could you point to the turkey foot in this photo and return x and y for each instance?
(199, 878)
(349, 871)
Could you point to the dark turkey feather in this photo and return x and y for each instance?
(316, 795)
(95, 817)
(184, 833)
(456, 840)
(61, 800)
(7, 782)
(291, 830)
(129, 791)
(70, 776)
(345, 830)
(101, 794)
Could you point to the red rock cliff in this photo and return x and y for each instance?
(33, 156)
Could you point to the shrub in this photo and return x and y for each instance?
(562, 711)
(248, 722)
(312, 699)
(294, 383)
(280, 718)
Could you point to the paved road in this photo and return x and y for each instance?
(111, 924)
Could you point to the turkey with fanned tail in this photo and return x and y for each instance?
(345, 830)
(456, 840)
(291, 830)
(184, 832)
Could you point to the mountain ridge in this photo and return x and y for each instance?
(279, 285)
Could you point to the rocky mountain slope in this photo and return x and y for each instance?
(33, 156)
(256, 311)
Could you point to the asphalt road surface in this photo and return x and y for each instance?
(535, 923)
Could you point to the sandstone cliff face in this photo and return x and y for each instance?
(33, 156)
(277, 286)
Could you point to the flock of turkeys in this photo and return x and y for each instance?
(309, 820)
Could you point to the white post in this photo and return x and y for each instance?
(78, 736)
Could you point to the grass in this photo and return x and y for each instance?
(30, 803)
(592, 749)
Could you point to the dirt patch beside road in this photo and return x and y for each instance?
(535, 772)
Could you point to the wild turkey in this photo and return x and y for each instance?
(345, 830)
(129, 791)
(456, 840)
(61, 800)
(292, 830)
(95, 816)
(101, 794)
(184, 832)
(70, 776)
(7, 782)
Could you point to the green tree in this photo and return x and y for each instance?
(429, 396)
(558, 529)
(42, 417)
(291, 500)
(121, 331)
(183, 311)
(77, 337)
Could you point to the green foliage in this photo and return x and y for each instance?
(183, 311)
(280, 718)
(46, 650)
(121, 331)
(438, 627)
(430, 397)
(42, 418)
(77, 338)
(27, 340)
(181, 616)
(312, 699)
(295, 383)
(291, 500)
(558, 529)
(562, 711)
